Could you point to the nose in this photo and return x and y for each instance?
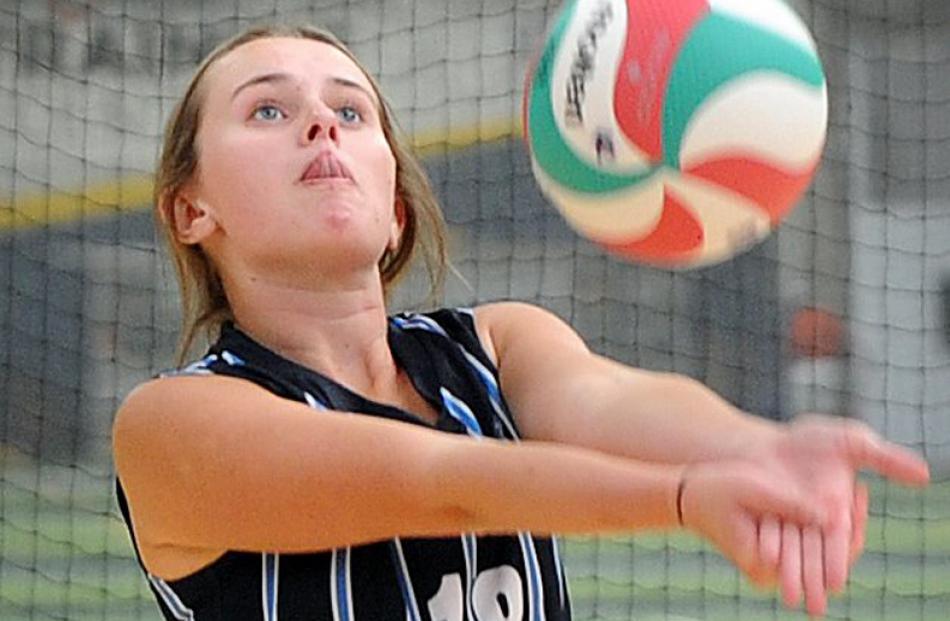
(322, 124)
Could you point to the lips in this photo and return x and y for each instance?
(325, 166)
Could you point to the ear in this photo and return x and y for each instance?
(192, 219)
(398, 224)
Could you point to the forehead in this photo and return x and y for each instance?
(305, 59)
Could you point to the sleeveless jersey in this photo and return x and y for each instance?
(467, 577)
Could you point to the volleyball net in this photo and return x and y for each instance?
(88, 301)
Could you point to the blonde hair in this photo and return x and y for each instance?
(204, 301)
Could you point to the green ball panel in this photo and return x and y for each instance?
(738, 47)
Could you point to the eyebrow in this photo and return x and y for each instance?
(270, 78)
(356, 85)
(262, 79)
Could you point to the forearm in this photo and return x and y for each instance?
(655, 417)
(337, 479)
(546, 487)
(560, 391)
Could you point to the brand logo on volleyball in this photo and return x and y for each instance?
(584, 62)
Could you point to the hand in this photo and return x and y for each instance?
(822, 455)
(794, 557)
(725, 502)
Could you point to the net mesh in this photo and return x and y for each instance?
(88, 305)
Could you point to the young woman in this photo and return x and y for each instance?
(327, 461)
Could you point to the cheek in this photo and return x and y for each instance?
(234, 172)
(384, 171)
(232, 159)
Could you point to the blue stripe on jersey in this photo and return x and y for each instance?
(487, 378)
(199, 367)
(421, 322)
(270, 569)
(202, 367)
(559, 570)
(340, 594)
(470, 550)
(312, 402)
(231, 359)
(535, 588)
(405, 582)
(171, 599)
(460, 411)
(494, 394)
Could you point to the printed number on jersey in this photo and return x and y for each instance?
(496, 596)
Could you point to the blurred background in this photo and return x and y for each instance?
(845, 309)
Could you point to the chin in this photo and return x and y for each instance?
(339, 219)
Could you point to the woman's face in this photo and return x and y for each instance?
(293, 163)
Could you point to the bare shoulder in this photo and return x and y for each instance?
(160, 389)
(180, 417)
(511, 309)
(168, 400)
(211, 463)
(159, 418)
(175, 416)
(502, 316)
(506, 325)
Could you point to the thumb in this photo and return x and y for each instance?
(865, 449)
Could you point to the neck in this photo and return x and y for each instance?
(338, 331)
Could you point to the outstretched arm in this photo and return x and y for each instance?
(217, 463)
(560, 391)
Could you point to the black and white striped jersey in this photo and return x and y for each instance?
(503, 578)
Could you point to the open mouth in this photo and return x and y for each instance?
(325, 166)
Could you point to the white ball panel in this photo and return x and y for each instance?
(625, 215)
(764, 114)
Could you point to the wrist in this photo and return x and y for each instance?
(727, 433)
(757, 436)
(679, 491)
(679, 500)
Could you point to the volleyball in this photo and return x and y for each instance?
(676, 133)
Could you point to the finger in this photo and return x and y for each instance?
(866, 450)
(791, 565)
(813, 573)
(859, 520)
(765, 571)
(744, 547)
(770, 544)
(837, 550)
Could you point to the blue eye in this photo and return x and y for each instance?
(268, 112)
(349, 114)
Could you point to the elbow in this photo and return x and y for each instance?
(448, 488)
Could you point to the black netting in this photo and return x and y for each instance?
(88, 304)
